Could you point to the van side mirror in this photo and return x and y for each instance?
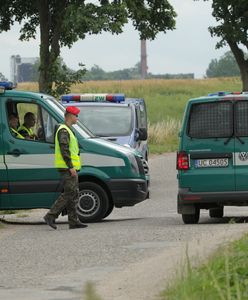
(142, 134)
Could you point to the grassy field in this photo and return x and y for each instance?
(165, 101)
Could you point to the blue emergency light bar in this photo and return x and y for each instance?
(7, 85)
(115, 98)
(226, 93)
(219, 94)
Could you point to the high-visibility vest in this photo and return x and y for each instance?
(74, 150)
(16, 133)
(28, 130)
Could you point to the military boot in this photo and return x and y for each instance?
(50, 220)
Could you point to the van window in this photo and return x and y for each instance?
(241, 117)
(211, 120)
(141, 114)
(107, 120)
(43, 127)
(49, 126)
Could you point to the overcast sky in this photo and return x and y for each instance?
(188, 49)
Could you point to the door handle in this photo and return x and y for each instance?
(15, 152)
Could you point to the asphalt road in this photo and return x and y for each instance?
(39, 263)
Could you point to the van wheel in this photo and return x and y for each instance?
(216, 212)
(192, 218)
(93, 202)
(110, 209)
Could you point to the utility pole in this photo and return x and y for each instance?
(143, 60)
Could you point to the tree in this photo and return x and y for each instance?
(2, 77)
(226, 66)
(63, 22)
(232, 29)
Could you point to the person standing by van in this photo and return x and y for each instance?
(67, 161)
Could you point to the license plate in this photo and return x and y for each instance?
(211, 163)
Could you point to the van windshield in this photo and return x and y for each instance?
(107, 120)
(83, 131)
(211, 120)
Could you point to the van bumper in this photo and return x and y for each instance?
(207, 200)
(128, 192)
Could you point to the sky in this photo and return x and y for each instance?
(187, 49)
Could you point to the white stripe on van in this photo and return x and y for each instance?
(2, 165)
(45, 161)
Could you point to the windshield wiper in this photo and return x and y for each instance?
(234, 136)
(240, 140)
(228, 139)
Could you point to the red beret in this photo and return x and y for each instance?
(73, 110)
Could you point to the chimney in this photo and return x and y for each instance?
(143, 61)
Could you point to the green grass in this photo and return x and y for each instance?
(223, 277)
(7, 212)
(90, 293)
(165, 100)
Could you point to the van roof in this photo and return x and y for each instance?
(220, 96)
(15, 93)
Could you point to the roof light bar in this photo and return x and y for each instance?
(115, 98)
(7, 85)
(221, 93)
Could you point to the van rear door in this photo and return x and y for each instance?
(241, 144)
(208, 139)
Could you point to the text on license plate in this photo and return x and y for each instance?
(211, 162)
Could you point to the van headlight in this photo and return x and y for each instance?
(134, 164)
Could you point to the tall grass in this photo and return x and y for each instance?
(165, 100)
(223, 277)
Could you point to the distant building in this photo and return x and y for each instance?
(22, 68)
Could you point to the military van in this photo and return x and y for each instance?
(212, 160)
(113, 117)
(111, 176)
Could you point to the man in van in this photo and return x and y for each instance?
(13, 124)
(67, 161)
(26, 128)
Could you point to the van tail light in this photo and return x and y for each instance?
(182, 161)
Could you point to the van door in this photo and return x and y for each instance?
(210, 144)
(4, 186)
(33, 180)
(241, 144)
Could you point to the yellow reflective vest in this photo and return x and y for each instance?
(28, 130)
(16, 133)
(74, 150)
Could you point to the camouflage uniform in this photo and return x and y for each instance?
(70, 197)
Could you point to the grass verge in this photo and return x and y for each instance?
(223, 277)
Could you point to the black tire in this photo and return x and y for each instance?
(216, 212)
(110, 209)
(192, 218)
(93, 202)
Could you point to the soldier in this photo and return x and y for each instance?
(67, 161)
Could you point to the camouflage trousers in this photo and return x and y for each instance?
(68, 199)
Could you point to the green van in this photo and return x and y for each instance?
(212, 160)
(112, 175)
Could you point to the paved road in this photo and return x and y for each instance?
(39, 263)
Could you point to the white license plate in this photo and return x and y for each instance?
(211, 163)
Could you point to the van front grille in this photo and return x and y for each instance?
(143, 165)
